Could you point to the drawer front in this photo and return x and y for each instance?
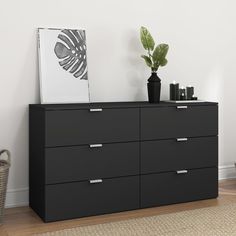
(171, 155)
(66, 164)
(173, 122)
(73, 127)
(168, 188)
(78, 199)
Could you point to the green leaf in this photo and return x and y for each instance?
(164, 62)
(146, 39)
(147, 60)
(159, 55)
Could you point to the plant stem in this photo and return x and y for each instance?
(150, 55)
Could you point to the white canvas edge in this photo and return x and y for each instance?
(39, 65)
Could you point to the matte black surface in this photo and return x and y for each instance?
(36, 160)
(114, 105)
(66, 164)
(78, 199)
(75, 127)
(137, 138)
(170, 122)
(170, 155)
(169, 188)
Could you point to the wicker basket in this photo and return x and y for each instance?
(4, 170)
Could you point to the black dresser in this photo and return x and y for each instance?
(89, 159)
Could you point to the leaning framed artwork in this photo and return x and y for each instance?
(63, 69)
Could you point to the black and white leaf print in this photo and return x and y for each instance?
(71, 52)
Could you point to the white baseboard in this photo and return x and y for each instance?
(17, 197)
(20, 197)
(227, 172)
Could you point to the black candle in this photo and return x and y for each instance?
(190, 92)
(174, 91)
(182, 93)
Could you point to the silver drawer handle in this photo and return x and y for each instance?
(182, 139)
(95, 109)
(95, 145)
(182, 107)
(181, 172)
(95, 181)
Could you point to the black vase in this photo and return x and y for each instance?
(154, 88)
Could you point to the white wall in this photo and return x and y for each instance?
(202, 39)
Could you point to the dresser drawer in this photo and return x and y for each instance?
(73, 127)
(71, 200)
(179, 121)
(171, 155)
(168, 188)
(66, 164)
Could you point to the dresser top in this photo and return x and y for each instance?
(137, 104)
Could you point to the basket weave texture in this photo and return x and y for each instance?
(4, 170)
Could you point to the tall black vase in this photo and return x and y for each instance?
(154, 88)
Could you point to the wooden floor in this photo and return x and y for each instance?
(23, 221)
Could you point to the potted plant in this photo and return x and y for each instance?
(156, 57)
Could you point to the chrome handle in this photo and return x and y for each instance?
(95, 109)
(182, 107)
(95, 181)
(182, 139)
(95, 145)
(181, 172)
